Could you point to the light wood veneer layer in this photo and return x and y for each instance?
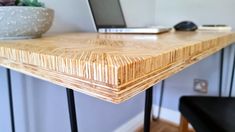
(112, 67)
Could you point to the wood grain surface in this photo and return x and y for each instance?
(112, 67)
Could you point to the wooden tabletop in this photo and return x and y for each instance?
(112, 67)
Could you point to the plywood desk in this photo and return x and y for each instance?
(111, 67)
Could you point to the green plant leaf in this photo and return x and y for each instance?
(33, 3)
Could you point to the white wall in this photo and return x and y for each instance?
(5, 124)
(201, 12)
(139, 13)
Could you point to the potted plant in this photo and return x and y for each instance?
(20, 19)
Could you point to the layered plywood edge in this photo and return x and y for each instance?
(112, 67)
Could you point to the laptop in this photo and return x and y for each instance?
(108, 17)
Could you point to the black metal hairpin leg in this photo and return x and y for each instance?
(72, 110)
(160, 101)
(148, 108)
(232, 77)
(221, 72)
(161, 98)
(10, 100)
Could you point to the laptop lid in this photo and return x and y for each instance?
(107, 13)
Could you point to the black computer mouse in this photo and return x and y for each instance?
(186, 26)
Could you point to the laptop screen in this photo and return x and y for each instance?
(107, 13)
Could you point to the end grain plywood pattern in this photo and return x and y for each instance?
(112, 67)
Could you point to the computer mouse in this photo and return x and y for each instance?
(186, 26)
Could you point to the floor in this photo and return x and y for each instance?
(163, 126)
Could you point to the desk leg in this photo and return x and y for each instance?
(72, 110)
(148, 108)
(160, 101)
(232, 78)
(221, 72)
(10, 100)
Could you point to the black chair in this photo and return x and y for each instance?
(207, 114)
